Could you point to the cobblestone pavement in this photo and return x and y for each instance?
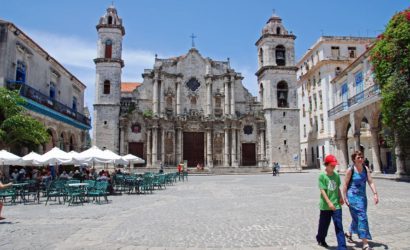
(220, 212)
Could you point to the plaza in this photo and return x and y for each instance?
(222, 212)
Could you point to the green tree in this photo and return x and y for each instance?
(390, 57)
(18, 129)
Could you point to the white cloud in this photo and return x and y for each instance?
(74, 51)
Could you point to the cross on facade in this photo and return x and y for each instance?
(193, 41)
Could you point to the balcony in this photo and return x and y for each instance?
(42, 103)
(360, 100)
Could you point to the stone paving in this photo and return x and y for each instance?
(220, 212)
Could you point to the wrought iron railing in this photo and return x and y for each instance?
(343, 106)
(367, 93)
(358, 98)
(35, 95)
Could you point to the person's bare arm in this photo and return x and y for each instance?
(348, 176)
(372, 186)
(329, 203)
(5, 185)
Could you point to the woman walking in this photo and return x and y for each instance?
(1, 187)
(354, 192)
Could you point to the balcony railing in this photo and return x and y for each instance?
(340, 107)
(368, 93)
(35, 95)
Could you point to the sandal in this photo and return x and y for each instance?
(349, 238)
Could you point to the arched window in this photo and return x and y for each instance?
(261, 56)
(107, 86)
(217, 102)
(278, 30)
(71, 143)
(261, 92)
(108, 49)
(62, 141)
(282, 94)
(52, 90)
(21, 72)
(109, 19)
(74, 104)
(280, 55)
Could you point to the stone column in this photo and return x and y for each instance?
(342, 149)
(357, 140)
(149, 156)
(122, 140)
(400, 170)
(226, 99)
(209, 161)
(226, 147)
(375, 150)
(178, 96)
(262, 148)
(179, 145)
(232, 99)
(154, 146)
(234, 161)
(162, 145)
(155, 96)
(208, 96)
(161, 99)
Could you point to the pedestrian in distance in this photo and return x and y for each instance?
(2, 186)
(330, 204)
(354, 192)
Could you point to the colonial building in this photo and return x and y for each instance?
(54, 96)
(193, 108)
(329, 56)
(357, 116)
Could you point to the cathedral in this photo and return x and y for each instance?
(195, 109)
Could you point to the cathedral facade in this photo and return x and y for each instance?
(196, 109)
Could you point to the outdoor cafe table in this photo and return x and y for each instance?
(81, 184)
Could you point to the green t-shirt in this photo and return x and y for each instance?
(331, 186)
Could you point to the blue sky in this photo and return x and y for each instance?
(224, 28)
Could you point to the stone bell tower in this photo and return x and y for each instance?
(108, 66)
(277, 88)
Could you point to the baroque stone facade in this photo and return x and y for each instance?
(196, 109)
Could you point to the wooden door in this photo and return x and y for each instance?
(248, 154)
(136, 148)
(193, 148)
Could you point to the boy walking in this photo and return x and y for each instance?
(331, 202)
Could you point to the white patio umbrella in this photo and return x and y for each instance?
(93, 155)
(29, 159)
(7, 158)
(133, 159)
(55, 156)
(116, 158)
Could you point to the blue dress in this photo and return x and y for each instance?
(356, 194)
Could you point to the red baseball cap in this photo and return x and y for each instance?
(331, 159)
